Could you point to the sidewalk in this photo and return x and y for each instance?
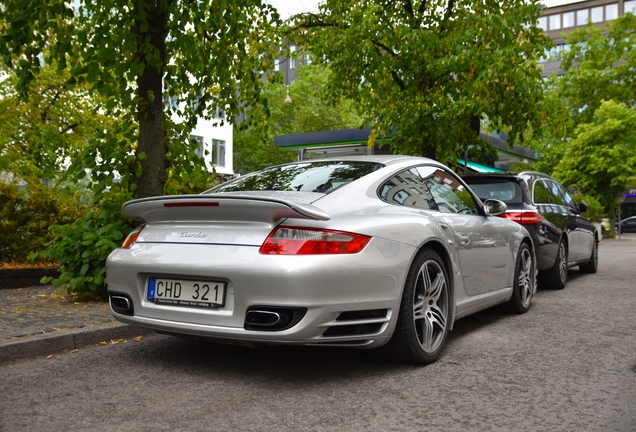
(42, 320)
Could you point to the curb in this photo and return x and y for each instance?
(55, 343)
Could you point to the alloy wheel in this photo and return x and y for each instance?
(563, 263)
(526, 277)
(430, 306)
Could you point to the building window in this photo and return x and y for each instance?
(582, 16)
(542, 23)
(630, 6)
(199, 142)
(555, 22)
(611, 11)
(218, 152)
(307, 59)
(170, 103)
(555, 52)
(219, 113)
(277, 64)
(568, 19)
(292, 59)
(597, 14)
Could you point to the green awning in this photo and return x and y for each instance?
(479, 167)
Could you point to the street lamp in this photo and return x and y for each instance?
(288, 99)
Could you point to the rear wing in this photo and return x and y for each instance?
(219, 207)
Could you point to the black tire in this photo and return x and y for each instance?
(525, 282)
(592, 265)
(424, 315)
(557, 277)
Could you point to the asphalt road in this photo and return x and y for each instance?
(567, 365)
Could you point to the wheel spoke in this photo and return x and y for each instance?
(418, 308)
(427, 335)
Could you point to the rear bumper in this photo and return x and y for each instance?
(349, 299)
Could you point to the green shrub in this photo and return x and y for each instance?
(26, 213)
(82, 247)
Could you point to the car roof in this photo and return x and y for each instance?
(383, 159)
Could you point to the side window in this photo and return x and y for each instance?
(449, 193)
(540, 193)
(569, 201)
(407, 188)
(555, 195)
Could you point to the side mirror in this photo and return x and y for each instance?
(494, 207)
(583, 207)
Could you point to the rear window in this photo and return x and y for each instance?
(507, 191)
(322, 177)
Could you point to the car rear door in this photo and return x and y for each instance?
(565, 219)
(581, 226)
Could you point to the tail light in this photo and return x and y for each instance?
(132, 237)
(312, 241)
(524, 217)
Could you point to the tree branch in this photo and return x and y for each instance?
(409, 8)
(314, 20)
(422, 7)
(448, 13)
(398, 80)
(69, 127)
(384, 47)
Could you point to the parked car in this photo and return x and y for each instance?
(627, 225)
(562, 236)
(358, 251)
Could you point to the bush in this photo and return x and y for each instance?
(82, 247)
(27, 213)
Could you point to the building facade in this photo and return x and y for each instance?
(557, 21)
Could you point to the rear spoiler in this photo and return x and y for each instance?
(219, 207)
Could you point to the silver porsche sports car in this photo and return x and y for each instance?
(371, 251)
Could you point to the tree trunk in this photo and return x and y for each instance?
(152, 136)
(428, 150)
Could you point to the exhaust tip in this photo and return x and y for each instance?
(121, 304)
(263, 318)
(269, 318)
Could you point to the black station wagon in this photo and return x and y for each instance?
(562, 236)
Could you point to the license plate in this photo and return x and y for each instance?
(180, 292)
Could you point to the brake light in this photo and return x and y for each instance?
(524, 217)
(312, 241)
(132, 237)
(192, 204)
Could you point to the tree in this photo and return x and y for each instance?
(204, 55)
(209, 54)
(308, 112)
(599, 66)
(40, 134)
(601, 160)
(427, 70)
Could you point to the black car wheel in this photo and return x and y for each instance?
(422, 324)
(525, 281)
(592, 265)
(558, 275)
